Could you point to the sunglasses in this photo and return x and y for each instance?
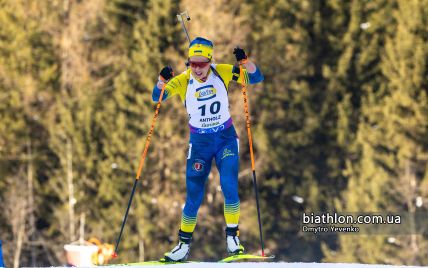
(198, 64)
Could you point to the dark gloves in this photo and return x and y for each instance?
(167, 73)
(239, 54)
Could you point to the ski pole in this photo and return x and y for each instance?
(140, 167)
(180, 19)
(250, 142)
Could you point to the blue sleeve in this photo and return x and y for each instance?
(256, 77)
(156, 94)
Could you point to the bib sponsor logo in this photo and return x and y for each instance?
(205, 93)
(210, 130)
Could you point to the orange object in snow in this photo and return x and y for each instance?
(104, 254)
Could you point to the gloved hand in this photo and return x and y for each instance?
(167, 73)
(239, 54)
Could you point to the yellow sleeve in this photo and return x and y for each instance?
(178, 85)
(226, 71)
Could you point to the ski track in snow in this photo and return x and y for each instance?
(275, 265)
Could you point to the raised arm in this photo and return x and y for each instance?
(164, 76)
(254, 73)
(174, 84)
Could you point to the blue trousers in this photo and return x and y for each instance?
(203, 148)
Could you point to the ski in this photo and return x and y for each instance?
(233, 258)
(150, 263)
(246, 257)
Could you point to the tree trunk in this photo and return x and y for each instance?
(411, 196)
(30, 184)
(71, 199)
(20, 235)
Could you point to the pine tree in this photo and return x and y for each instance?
(296, 115)
(123, 118)
(27, 75)
(390, 173)
(340, 123)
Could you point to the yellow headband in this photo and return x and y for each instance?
(201, 50)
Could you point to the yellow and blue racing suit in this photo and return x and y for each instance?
(212, 136)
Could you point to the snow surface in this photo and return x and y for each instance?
(276, 265)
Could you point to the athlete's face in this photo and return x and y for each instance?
(199, 66)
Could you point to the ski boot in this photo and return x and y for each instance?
(234, 247)
(181, 251)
